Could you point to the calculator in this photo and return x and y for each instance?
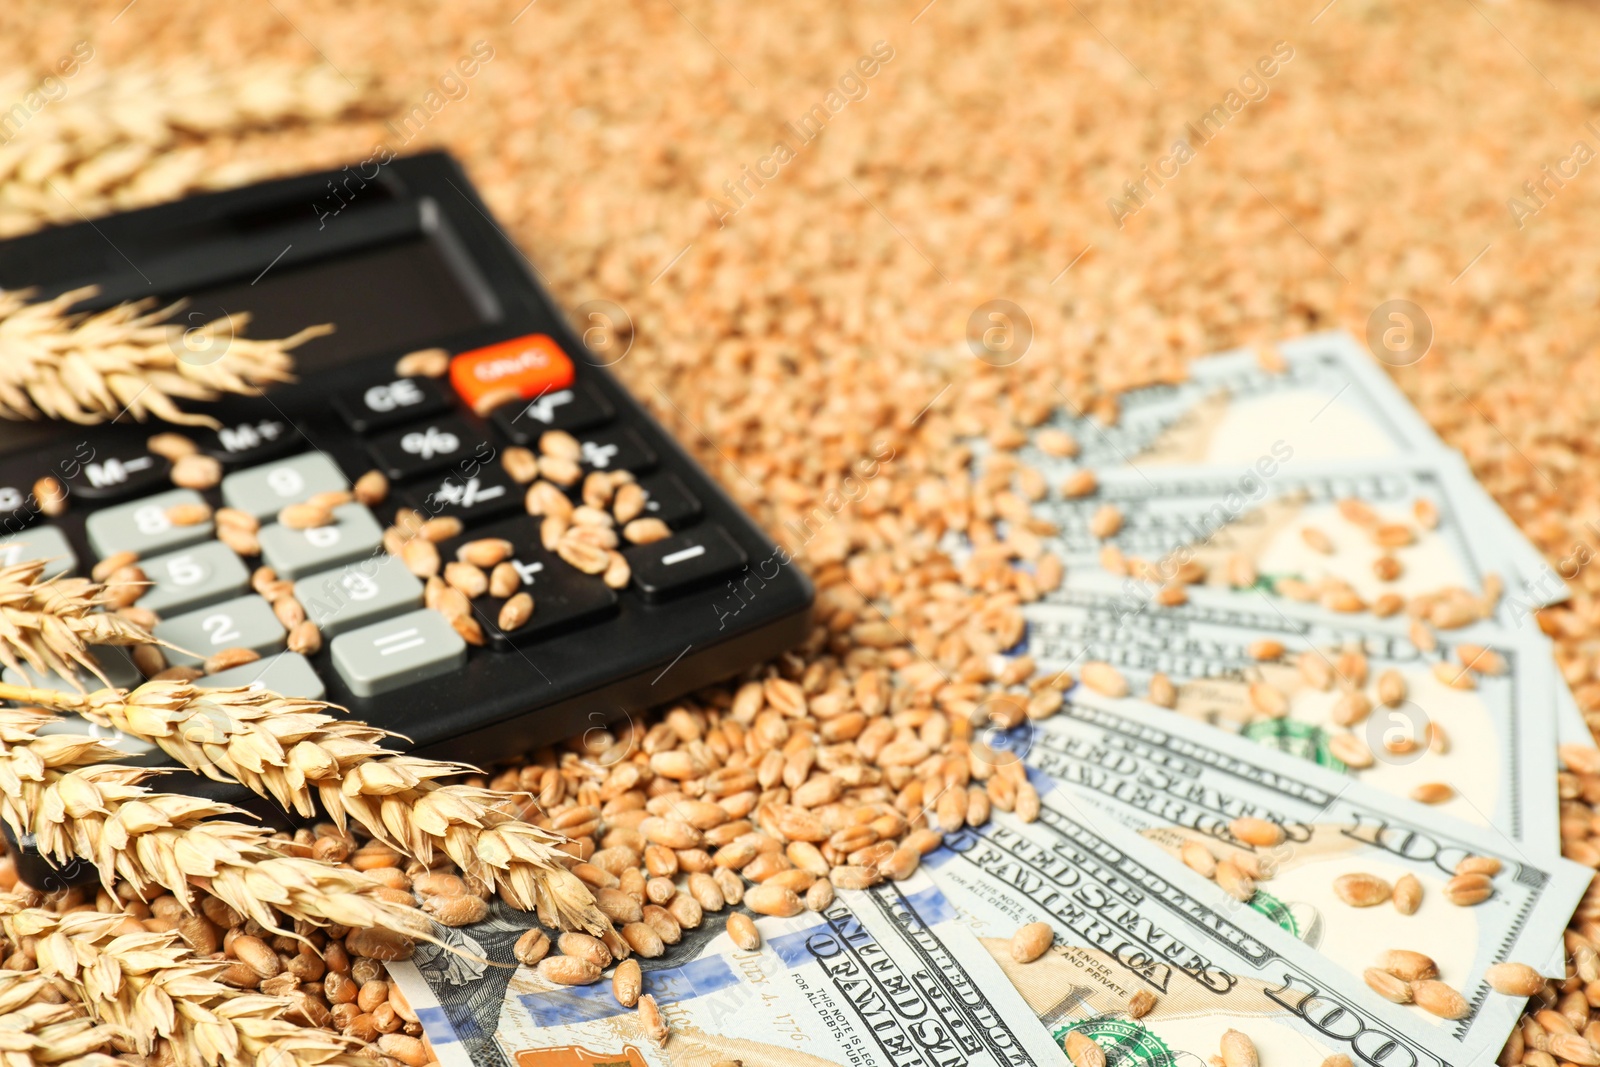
(405, 260)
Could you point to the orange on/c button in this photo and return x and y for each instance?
(522, 367)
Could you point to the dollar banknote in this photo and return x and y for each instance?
(882, 978)
(1330, 400)
(1125, 922)
(1483, 744)
(1261, 511)
(1327, 404)
(1179, 783)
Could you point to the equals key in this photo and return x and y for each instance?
(398, 652)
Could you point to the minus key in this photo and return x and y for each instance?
(685, 561)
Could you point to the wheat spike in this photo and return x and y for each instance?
(34, 1031)
(151, 988)
(58, 788)
(49, 623)
(87, 368)
(89, 152)
(294, 752)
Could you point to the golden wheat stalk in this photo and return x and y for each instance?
(34, 1031)
(49, 624)
(90, 152)
(152, 989)
(128, 359)
(294, 752)
(58, 789)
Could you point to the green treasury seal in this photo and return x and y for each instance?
(1124, 1041)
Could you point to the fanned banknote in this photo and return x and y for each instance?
(1177, 782)
(1330, 411)
(1330, 401)
(1259, 511)
(1125, 922)
(882, 978)
(1491, 745)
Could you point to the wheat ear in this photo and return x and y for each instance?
(150, 987)
(49, 624)
(57, 788)
(34, 1031)
(131, 359)
(294, 752)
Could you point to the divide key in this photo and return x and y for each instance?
(686, 561)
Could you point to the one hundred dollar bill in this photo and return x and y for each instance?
(1330, 401)
(882, 978)
(1177, 782)
(1260, 510)
(1126, 922)
(1491, 745)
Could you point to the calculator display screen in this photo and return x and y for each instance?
(390, 298)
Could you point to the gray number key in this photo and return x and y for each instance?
(287, 674)
(41, 542)
(352, 535)
(192, 577)
(397, 652)
(360, 593)
(243, 622)
(264, 490)
(142, 525)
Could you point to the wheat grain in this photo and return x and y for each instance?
(59, 789)
(155, 992)
(37, 1031)
(89, 153)
(49, 623)
(130, 359)
(294, 752)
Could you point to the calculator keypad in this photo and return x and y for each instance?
(243, 622)
(353, 534)
(265, 490)
(398, 652)
(192, 577)
(358, 594)
(143, 526)
(378, 637)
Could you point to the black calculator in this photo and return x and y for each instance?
(410, 260)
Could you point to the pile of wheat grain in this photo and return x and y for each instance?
(813, 318)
